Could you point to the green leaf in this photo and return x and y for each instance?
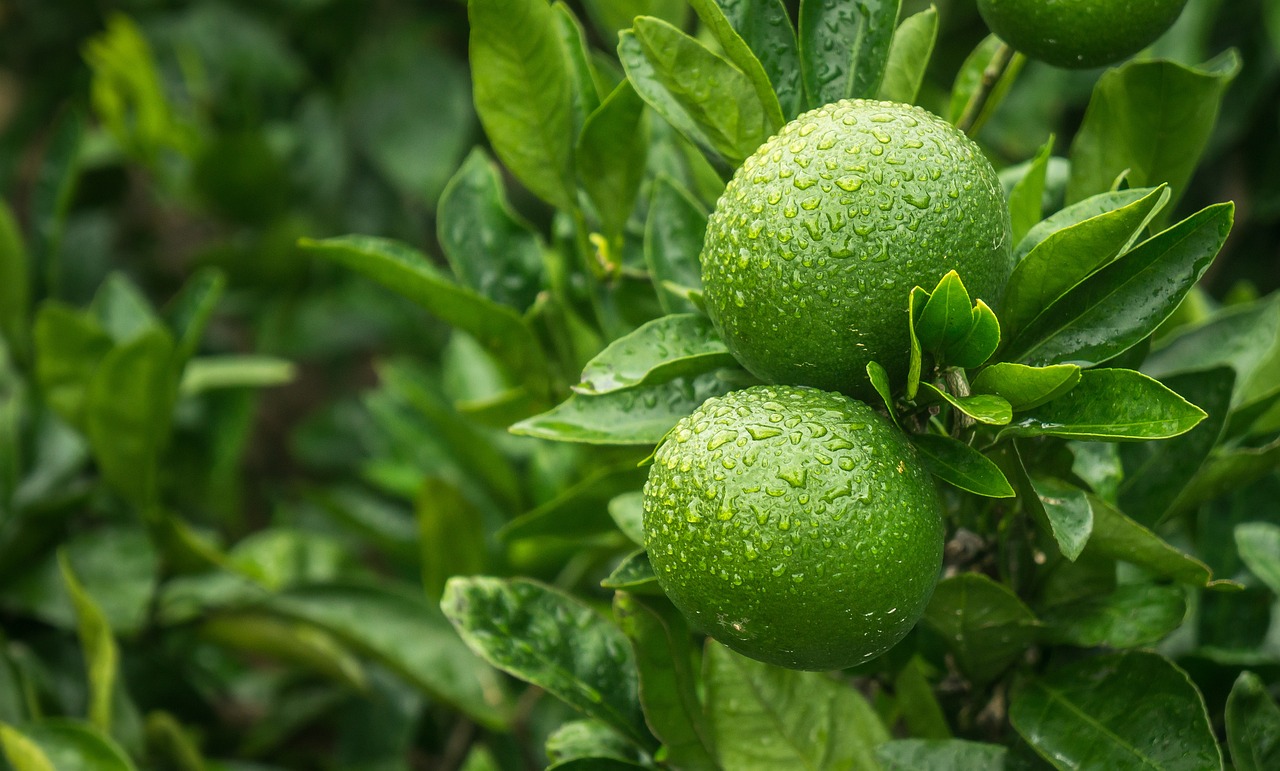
(917, 704)
(657, 352)
(769, 718)
(188, 314)
(738, 52)
(1124, 302)
(1155, 473)
(1259, 545)
(490, 247)
(635, 416)
(55, 745)
(879, 379)
(1118, 537)
(611, 156)
(969, 81)
(844, 47)
(909, 56)
(946, 318)
(101, 655)
(1070, 255)
(406, 271)
(959, 464)
(984, 408)
(69, 344)
(122, 309)
(984, 624)
(709, 91)
(553, 641)
(1074, 214)
(672, 241)
(940, 755)
(668, 683)
(451, 533)
(588, 740)
(915, 304)
(1124, 710)
(1026, 387)
(209, 373)
(627, 512)
(580, 509)
(1068, 512)
(129, 409)
(1111, 405)
(1228, 469)
(1026, 199)
(406, 634)
(1253, 725)
(15, 285)
(586, 96)
(634, 574)
(981, 342)
(766, 28)
(652, 88)
(612, 16)
(1133, 615)
(523, 93)
(1151, 118)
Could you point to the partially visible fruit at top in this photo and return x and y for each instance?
(1080, 34)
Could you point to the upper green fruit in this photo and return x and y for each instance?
(795, 526)
(816, 243)
(1080, 34)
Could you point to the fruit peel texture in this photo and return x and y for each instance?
(795, 526)
(818, 239)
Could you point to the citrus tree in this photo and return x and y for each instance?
(782, 422)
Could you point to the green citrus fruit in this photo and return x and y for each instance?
(1080, 34)
(795, 526)
(815, 244)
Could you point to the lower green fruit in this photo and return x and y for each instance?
(795, 526)
(1080, 34)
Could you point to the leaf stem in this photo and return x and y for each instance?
(990, 79)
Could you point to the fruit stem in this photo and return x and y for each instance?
(990, 79)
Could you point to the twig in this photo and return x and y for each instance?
(990, 79)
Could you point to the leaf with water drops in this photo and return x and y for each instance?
(1124, 710)
(940, 755)
(1068, 512)
(550, 639)
(844, 47)
(634, 574)
(946, 317)
(956, 462)
(766, 28)
(984, 624)
(738, 52)
(1026, 387)
(1253, 725)
(879, 379)
(657, 352)
(984, 408)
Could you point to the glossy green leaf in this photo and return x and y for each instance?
(1070, 255)
(581, 508)
(490, 247)
(551, 640)
(1120, 305)
(672, 241)
(984, 624)
(660, 351)
(523, 93)
(909, 56)
(588, 740)
(1124, 710)
(1259, 546)
(611, 156)
(915, 304)
(1076, 213)
(1132, 616)
(879, 380)
(1068, 512)
(738, 52)
(982, 341)
(1118, 537)
(765, 718)
(635, 416)
(1026, 387)
(129, 409)
(940, 755)
(969, 81)
(69, 344)
(407, 634)
(844, 47)
(959, 464)
(586, 95)
(627, 512)
(55, 745)
(1155, 473)
(1253, 725)
(946, 318)
(651, 85)
(15, 285)
(766, 28)
(1130, 125)
(984, 408)
(1111, 405)
(1026, 199)
(451, 533)
(634, 574)
(100, 652)
(668, 683)
(710, 91)
(408, 272)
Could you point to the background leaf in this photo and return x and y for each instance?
(611, 156)
(844, 47)
(672, 241)
(1259, 545)
(1133, 615)
(984, 624)
(940, 755)
(1253, 725)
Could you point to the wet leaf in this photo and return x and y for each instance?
(611, 156)
(844, 47)
(909, 56)
(984, 408)
(660, 351)
(984, 624)
(766, 28)
(1132, 616)
(672, 241)
(959, 464)
(1026, 387)
(940, 755)
(1111, 405)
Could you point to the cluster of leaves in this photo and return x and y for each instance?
(1107, 444)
